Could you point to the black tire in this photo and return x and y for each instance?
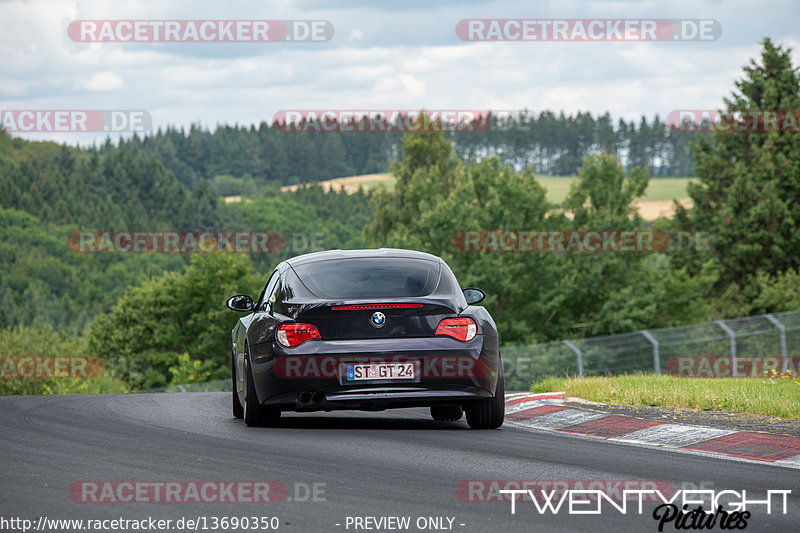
(255, 414)
(489, 413)
(238, 409)
(446, 413)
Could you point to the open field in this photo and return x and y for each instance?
(758, 396)
(657, 202)
(352, 183)
(653, 209)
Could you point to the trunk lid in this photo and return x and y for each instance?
(363, 320)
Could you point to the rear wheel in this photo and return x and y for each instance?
(446, 413)
(238, 410)
(489, 413)
(255, 414)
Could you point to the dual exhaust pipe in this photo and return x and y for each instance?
(310, 399)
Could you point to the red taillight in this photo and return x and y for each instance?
(291, 334)
(463, 329)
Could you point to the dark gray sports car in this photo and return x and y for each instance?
(368, 330)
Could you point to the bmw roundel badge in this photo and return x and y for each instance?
(378, 319)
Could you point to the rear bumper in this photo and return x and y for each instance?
(449, 371)
(376, 399)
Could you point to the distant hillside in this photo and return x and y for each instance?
(549, 143)
(657, 203)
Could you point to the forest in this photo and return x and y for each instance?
(156, 319)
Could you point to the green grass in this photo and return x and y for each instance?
(776, 397)
(387, 184)
(658, 189)
(558, 186)
(667, 188)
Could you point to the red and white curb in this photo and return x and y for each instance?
(546, 411)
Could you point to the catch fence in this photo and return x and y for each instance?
(736, 347)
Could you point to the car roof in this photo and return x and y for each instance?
(359, 254)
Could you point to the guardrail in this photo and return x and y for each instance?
(748, 346)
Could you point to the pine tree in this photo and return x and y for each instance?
(748, 190)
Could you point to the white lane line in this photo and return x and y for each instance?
(520, 406)
(672, 435)
(790, 460)
(515, 395)
(529, 405)
(530, 400)
(561, 419)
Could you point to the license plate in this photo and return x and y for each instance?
(382, 371)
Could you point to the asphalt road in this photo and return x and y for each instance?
(395, 463)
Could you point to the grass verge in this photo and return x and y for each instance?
(758, 396)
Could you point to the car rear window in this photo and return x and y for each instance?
(384, 277)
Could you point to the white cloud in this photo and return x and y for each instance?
(381, 57)
(101, 82)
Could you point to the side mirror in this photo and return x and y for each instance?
(473, 295)
(241, 303)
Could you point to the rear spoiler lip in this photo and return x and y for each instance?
(450, 303)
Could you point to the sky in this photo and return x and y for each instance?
(382, 55)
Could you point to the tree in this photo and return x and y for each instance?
(748, 190)
(436, 196)
(533, 296)
(425, 176)
(603, 195)
(175, 314)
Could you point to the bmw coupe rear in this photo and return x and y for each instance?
(366, 330)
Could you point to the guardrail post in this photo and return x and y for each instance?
(732, 336)
(578, 354)
(782, 331)
(656, 352)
